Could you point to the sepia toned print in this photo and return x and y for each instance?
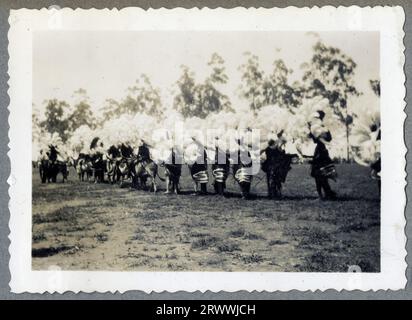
(303, 106)
(209, 157)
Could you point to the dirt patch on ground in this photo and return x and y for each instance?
(86, 226)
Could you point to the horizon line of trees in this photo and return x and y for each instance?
(329, 74)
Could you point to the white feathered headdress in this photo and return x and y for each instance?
(366, 136)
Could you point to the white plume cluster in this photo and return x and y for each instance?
(307, 114)
(43, 142)
(306, 120)
(365, 136)
(79, 142)
(228, 131)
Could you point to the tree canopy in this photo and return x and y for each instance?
(201, 99)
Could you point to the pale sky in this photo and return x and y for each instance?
(105, 63)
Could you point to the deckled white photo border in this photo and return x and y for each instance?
(387, 20)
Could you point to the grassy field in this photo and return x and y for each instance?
(86, 226)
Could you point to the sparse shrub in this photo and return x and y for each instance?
(72, 250)
(237, 233)
(195, 223)
(204, 243)
(39, 237)
(228, 247)
(253, 236)
(137, 237)
(328, 262)
(366, 266)
(102, 237)
(175, 266)
(62, 214)
(277, 242)
(38, 218)
(252, 258)
(281, 217)
(298, 231)
(150, 215)
(215, 260)
(316, 236)
(172, 256)
(196, 234)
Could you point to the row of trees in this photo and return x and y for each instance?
(329, 74)
(61, 118)
(141, 97)
(200, 99)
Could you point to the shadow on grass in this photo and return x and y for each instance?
(51, 251)
(324, 262)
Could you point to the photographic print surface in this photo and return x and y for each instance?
(100, 97)
(205, 152)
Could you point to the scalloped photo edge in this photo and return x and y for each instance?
(388, 21)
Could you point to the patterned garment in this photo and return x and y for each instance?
(201, 177)
(220, 174)
(242, 175)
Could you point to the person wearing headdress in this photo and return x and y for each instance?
(42, 156)
(276, 165)
(143, 152)
(242, 168)
(198, 169)
(376, 171)
(220, 168)
(272, 152)
(173, 170)
(322, 167)
(125, 150)
(41, 160)
(53, 153)
(113, 153)
(366, 141)
(100, 148)
(376, 166)
(98, 164)
(113, 158)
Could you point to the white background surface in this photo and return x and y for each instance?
(388, 21)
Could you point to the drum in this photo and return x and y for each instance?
(328, 171)
(375, 175)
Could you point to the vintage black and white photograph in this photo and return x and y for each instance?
(206, 151)
(161, 150)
